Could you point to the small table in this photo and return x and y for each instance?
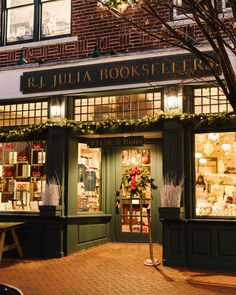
(11, 227)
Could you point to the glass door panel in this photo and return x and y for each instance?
(135, 190)
(135, 168)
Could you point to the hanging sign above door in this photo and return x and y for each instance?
(116, 141)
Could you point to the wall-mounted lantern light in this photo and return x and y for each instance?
(172, 102)
(56, 109)
(173, 99)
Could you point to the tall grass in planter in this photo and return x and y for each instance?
(171, 191)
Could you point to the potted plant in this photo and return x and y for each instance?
(171, 191)
(51, 199)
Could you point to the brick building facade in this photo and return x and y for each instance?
(88, 104)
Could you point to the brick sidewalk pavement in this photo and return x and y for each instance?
(112, 269)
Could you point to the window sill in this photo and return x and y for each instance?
(182, 20)
(38, 43)
(90, 215)
(18, 212)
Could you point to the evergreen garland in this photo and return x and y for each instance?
(197, 120)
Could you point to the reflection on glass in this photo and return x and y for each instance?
(216, 174)
(20, 23)
(135, 157)
(121, 106)
(89, 168)
(13, 3)
(210, 100)
(136, 196)
(20, 117)
(56, 18)
(22, 176)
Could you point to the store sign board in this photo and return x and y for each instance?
(161, 68)
(115, 141)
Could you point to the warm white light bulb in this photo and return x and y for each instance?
(226, 147)
(172, 102)
(202, 161)
(55, 111)
(213, 136)
(198, 155)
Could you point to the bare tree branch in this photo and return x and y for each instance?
(205, 17)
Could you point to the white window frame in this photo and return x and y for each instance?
(37, 24)
(224, 8)
(177, 16)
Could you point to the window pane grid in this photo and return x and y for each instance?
(21, 16)
(57, 21)
(210, 100)
(129, 106)
(23, 114)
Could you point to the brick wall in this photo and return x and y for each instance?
(92, 24)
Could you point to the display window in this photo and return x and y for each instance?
(215, 162)
(22, 175)
(89, 178)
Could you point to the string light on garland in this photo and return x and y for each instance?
(197, 120)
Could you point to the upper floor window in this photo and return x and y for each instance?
(179, 9)
(226, 4)
(36, 19)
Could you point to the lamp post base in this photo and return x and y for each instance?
(151, 262)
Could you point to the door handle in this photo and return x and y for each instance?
(117, 206)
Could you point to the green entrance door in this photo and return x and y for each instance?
(135, 166)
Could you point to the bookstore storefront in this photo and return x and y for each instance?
(87, 175)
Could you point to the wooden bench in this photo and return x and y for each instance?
(9, 227)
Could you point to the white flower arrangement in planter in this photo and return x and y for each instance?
(171, 191)
(52, 193)
(51, 198)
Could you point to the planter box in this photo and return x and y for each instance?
(50, 210)
(170, 213)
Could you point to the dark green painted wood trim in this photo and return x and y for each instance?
(72, 176)
(173, 148)
(118, 92)
(87, 245)
(200, 243)
(189, 173)
(40, 237)
(87, 229)
(86, 215)
(113, 181)
(57, 150)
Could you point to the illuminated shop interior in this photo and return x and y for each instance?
(215, 162)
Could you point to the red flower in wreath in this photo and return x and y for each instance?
(134, 171)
